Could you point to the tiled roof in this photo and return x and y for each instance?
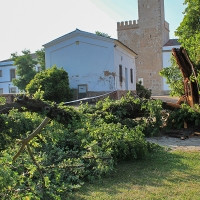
(172, 42)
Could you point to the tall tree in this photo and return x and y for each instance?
(25, 68)
(41, 58)
(189, 30)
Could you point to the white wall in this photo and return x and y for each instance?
(90, 61)
(167, 53)
(127, 60)
(5, 81)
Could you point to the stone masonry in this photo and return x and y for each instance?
(146, 37)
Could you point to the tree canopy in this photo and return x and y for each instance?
(52, 84)
(189, 30)
(173, 78)
(189, 37)
(25, 68)
(41, 58)
(102, 34)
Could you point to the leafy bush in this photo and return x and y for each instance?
(69, 157)
(186, 114)
(15, 125)
(174, 78)
(51, 84)
(85, 148)
(143, 92)
(2, 100)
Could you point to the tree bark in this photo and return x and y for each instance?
(187, 69)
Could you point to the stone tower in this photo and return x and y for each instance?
(146, 37)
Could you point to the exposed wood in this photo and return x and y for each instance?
(187, 69)
(26, 141)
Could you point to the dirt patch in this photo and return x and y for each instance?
(190, 144)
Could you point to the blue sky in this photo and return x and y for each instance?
(28, 24)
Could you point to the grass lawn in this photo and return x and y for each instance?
(162, 175)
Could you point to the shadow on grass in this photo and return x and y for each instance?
(159, 169)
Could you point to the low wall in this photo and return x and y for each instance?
(96, 96)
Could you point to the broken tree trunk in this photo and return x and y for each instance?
(187, 69)
(52, 110)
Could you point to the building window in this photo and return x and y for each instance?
(120, 73)
(131, 74)
(13, 90)
(12, 74)
(1, 90)
(1, 73)
(39, 69)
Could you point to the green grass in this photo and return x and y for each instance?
(162, 175)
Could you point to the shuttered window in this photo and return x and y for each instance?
(120, 73)
(131, 74)
(12, 74)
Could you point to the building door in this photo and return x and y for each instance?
(126, 79)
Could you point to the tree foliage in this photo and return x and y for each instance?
(51, 84)
(41, 58)
(84, 149)
(189, 37)
(102, 34)
(25, 68)
(173, 78)
(189, 30)
(142, 92)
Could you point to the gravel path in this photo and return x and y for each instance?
(191, 144)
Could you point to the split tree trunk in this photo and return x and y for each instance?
(187, 69)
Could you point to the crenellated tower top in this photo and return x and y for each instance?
(146, 37)
(131, 24)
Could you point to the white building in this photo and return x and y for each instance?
(7, 73)
(95, 64)
(167, 53)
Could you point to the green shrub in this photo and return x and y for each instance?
(51, 84)
(143, 92)
(2, 100)
(186, 114)
(82, 149)
(15, 125)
